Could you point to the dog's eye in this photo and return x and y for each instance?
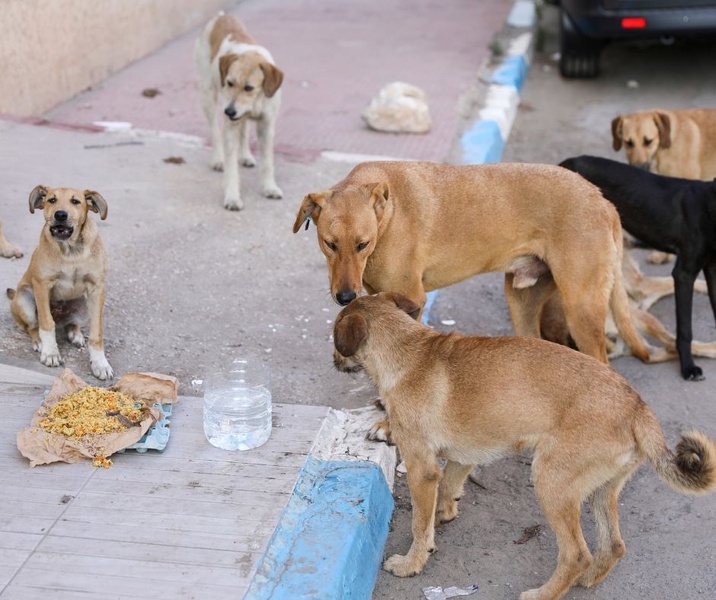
(248, 88)
(229, 84)
(75, 201)
(52, 200)
(629, 144)
(647, 142)
(362, 246)
(330, 245)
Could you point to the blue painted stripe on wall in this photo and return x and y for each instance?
(331, 535)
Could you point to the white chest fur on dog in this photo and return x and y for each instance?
(238, 76)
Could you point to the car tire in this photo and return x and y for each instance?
(579, 55)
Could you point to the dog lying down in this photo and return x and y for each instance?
(643, 292)
(472, 400)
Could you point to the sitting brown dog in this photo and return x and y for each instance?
(472, 400)
(64, 284)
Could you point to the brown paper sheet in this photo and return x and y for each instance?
(43, 447)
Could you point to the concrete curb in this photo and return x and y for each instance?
(345, 487)
(344, 490)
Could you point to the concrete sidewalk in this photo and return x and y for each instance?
(313, 521)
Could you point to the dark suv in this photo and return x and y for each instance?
(586, 26)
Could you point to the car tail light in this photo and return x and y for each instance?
(633, 23)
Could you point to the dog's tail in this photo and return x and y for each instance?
(691, 469)
(619, 304)
(10, 293)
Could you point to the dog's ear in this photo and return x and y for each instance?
(37, 197)
(311, 208)
(96, 203)
(663, 124)
(349, 333)
(224, 63)
(405, 304)
(379, 195)
(273, 77)
(617, 134)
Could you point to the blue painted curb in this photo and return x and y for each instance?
(330, 538)
(512, 71)
(482, 143)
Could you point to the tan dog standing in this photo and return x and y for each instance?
(678, 143)
(8, 250)
(64, 283)
(239, 75)
(412, 227)
(472, 400)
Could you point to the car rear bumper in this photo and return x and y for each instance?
(605, 20)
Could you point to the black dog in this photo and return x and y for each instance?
(668, 214)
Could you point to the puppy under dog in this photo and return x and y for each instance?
(64, 285)
(472, 400)
(239, 75)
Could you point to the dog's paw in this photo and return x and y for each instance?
(101, 369)
(76, 337)
(693, 374)
(271, 190)
(10, 251)
(402, 566)
(233, 203)
(50, 359)
(247, 161)
(217, 161)
(380, 432)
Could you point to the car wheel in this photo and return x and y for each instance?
(579, 55)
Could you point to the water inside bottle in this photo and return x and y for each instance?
(239, 418)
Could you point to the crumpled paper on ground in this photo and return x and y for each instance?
(43, 447)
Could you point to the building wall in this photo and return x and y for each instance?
(52, 49)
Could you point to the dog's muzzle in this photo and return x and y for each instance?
(61, 229)
(230, 112)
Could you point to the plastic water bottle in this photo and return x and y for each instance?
(237, 405)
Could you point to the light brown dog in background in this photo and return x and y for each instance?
(472, 400)
(241, 77)
(678, 143)
(8, 250)
(64, 283)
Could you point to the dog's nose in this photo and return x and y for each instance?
(230, 112)
(61, 215)
(344, 298)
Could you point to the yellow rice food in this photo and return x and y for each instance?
(92, 411)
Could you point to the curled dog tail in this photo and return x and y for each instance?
(10, 293)
(691, 469)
